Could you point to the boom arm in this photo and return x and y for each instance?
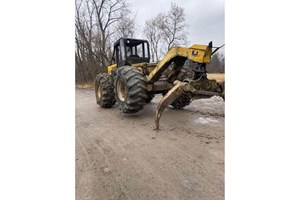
(196, 53)
(199, 87)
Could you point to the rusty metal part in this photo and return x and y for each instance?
(159, 86)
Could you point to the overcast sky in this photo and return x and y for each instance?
(205, 17)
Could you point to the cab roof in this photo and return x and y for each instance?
(133, 41)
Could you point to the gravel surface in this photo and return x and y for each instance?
(121, 157)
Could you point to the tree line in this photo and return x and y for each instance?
(99, 23)
(217, 63)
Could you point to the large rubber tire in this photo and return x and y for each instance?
(130, 89)
(185, 73)
(149, 98)
(183, 100)
(104, 90)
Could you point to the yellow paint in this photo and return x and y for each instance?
(196, 53)
(111, 67)
(138, 65)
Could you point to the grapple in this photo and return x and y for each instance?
(196, 89)
(199, 86)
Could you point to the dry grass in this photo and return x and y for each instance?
(89, 85)
(216, 76)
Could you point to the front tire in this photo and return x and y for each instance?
(130, 89)
(104, 90)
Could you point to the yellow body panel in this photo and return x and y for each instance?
(111, 67)
(139, 65)
(149, 66)
(196, 53)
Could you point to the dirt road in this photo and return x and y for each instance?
(122, 157)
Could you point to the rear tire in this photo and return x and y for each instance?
(181, 101)
(104, 90)
(149, 98)
(184, 99)
(130, 89)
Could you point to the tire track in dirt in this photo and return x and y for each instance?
(183, 161)
(180, 166)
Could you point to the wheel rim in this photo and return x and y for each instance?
(99, 93)
(121, 90)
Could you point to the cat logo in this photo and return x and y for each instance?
(195, 53)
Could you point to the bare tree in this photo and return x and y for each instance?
(83, 37)
(153, 34)
(126, 27)
(166, 30)
(97, 23)
(173, 26)
(217, 64)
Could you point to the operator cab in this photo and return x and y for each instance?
(130, 51)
